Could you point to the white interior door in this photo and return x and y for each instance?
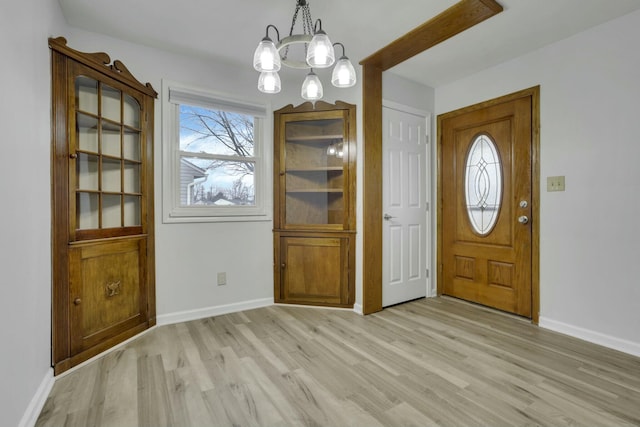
(405, 205)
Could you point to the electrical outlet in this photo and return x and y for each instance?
(555, 183)
(222, 279)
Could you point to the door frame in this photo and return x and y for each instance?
(534, 94)
(458, 18)
(430, 288)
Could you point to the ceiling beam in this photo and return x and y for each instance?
(459, 17)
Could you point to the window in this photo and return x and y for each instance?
(213, 157)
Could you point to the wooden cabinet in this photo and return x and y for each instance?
(102, 196)
(314, 206)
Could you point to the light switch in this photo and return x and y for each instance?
(555, 183)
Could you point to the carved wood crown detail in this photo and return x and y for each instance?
(100, 61)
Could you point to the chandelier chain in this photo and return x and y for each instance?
(307, 24)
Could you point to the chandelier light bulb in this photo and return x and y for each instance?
(344, 75)
(266, 57)
(320, 53)
(269, 82)
(311, 87)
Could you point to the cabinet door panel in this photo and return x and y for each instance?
(315, 269)
(107, 290)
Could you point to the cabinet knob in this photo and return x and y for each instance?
(73, 156)
(281, 173)
(77, 301)
(283, 265)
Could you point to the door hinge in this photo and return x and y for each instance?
(427, 206)
(427, 273)
(428, 138)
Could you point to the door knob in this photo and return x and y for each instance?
(523, 219)
(77, 301)
(387, 217)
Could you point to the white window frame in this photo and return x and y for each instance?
(173, 95)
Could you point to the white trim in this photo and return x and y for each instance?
(201, 313)
(406, 109)
(594, 337)
(358, 309)
(37, 402)
(172, 212)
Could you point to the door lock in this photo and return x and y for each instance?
(523, 219)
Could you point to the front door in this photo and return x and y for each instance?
(486, 203)
(404, 198)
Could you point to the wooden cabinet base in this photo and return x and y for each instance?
(314, 268)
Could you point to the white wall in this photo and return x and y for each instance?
(589, 234)
(25, 217)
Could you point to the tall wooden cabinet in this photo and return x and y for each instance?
(102, 204)
(314, 206)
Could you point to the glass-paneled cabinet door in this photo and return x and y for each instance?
(107, 150)
(314, 156)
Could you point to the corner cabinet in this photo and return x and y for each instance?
(314, 206)
(102, 205)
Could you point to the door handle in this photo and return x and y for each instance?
(523, 219)
(387, 217)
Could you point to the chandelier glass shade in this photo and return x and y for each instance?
(269, 57)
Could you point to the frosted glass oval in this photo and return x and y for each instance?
(483, 184)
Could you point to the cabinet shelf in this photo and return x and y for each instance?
(316, 190)
(314, 138)
(316, 169)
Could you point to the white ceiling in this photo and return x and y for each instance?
(230, 30)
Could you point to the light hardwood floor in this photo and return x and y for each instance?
(434, 362)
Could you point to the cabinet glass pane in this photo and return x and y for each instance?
(314, 158)
(111, 175)
(110, 139)
(320, 208)
(87, 208)
(87, 172)
(131, 111)
(111, 210)
(87, 128)
(131, 177)
(131, 145)
(87, 94)
(110, 103)
(132, 211)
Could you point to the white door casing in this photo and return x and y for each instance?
(405, 195)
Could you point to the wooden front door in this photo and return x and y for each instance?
(486, 178)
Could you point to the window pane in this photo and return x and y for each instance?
(87, 128)
(483, 184)
(216, 182)
(132, 211)
(87, 208)
(111, 103)
(215, 132)
(87, 94)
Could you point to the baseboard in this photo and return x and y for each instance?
(201, 313)
(358, 308)
(619, 344)
(37, 402)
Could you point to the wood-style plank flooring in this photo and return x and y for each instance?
(433, 362)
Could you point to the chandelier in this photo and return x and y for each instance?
(319, 53)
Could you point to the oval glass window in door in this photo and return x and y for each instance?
(483, 184)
